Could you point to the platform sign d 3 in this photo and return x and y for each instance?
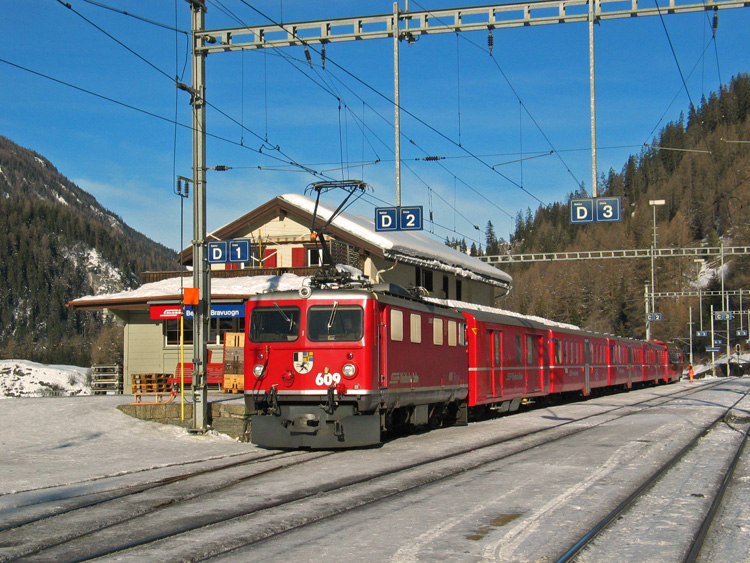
(596, 210)
(399, 218)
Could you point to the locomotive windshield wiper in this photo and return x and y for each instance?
(283, 314)
(333, 314)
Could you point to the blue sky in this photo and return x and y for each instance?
(128, 157)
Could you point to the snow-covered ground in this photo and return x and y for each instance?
(51, 441)
(22, 378)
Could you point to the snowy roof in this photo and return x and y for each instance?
(410, 247)
(475, 307)
(170, 288)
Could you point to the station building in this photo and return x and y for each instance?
(283, 253)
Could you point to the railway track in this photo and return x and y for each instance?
(713, 454)
(252, 500)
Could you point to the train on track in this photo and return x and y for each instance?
(337, 367)
(342, 361)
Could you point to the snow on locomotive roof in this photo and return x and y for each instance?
(409, 247)
(496, 311)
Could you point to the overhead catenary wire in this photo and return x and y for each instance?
(405, 110)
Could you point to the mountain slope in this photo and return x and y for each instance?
(702, 169)
(58, 243)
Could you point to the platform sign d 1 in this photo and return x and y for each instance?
(218, 252)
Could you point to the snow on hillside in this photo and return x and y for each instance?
(22, 378)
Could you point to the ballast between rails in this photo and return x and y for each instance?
(337, 368)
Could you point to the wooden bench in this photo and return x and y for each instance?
(214, 375)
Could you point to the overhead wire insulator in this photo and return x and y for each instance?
(323, 55)
(490, 42)
(308, 57)
(433, 158)
(715, 25)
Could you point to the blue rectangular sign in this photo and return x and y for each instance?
(713, 349)
(582, 211)
(386, 219)
(399, 218)
(596, 210)
(239, 251)
(410, 218)
(220, 311)
(701, 333)
(218, 252)
(608, 210)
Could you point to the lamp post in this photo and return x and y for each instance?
(653, 203)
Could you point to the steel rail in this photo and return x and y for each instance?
(576, 549)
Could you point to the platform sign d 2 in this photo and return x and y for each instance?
(598, 210)
(399, 218)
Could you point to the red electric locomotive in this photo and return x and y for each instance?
(333, 368)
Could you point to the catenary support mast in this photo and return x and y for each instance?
(200, 267)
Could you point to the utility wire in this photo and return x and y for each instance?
(155, 115)
(406, 111)
(165, 74)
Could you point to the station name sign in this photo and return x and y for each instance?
(232, 311)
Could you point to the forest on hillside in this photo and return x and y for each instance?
(56, 244)
(700, 165)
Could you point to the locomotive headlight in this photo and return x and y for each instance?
(258, 370)
(349, 370)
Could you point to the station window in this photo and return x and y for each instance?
(172, 331)
(397, 325)
(452, 336)
(217, 328)
(459, 296)
(437, 332)
(415, 328)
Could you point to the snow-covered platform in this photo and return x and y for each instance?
(52, 441)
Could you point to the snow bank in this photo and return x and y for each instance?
(22, 378)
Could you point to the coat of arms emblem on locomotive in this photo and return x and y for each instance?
(303, 362)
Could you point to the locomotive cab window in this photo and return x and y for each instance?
(335, 322)
(274, 324)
